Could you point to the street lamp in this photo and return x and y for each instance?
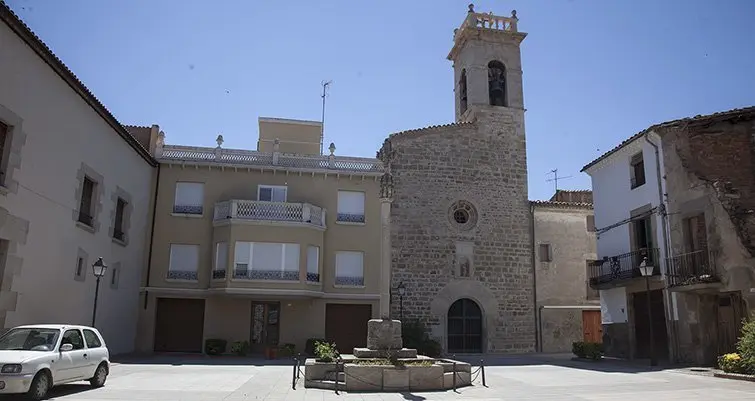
(401, 291)
(98, 269)
(646, 272)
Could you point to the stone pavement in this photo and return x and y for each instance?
(523, 378)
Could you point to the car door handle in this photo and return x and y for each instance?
(85, 356)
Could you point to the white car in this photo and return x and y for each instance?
(34, 358)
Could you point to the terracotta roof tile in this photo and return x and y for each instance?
(564, 205)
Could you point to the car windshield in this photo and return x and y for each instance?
(29, 339)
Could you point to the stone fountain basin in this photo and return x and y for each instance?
(417, 374)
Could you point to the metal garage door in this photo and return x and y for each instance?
(346, 325)
(179, 325)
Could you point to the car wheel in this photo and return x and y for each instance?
(100, 375)
(39, 386)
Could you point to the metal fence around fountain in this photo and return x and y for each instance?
(473, 375)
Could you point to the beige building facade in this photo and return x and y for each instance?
(564, 246)
(74, 186)
(274, 246)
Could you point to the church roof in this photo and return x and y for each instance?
(428, 129)
(562, 205)
(706, 119)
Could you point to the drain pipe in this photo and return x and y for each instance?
(151, 236)
(666, 248)
(538, 333)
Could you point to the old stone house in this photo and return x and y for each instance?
(460, 218)
(568, 309)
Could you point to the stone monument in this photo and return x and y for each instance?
(384, 340)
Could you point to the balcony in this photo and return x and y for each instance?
(620, 268)
(693, 270)
(284, 213)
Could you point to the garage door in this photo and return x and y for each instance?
(346, 325)
(179, 325)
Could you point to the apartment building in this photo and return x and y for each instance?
(271, 246)
(568, 308)
(629, 219)
(75, 186)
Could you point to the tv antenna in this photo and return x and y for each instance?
(556, 178)
(325, 85)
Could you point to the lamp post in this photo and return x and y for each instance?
(646, 272)
(401, 291)
(98, 269)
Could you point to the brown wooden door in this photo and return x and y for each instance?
(179, 325)
(592, 328)
(346, 325)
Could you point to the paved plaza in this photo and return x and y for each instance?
(523, 378)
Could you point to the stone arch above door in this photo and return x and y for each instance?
(470, 289)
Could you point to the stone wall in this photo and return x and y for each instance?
(481, 167)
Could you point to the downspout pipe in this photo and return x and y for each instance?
(664, 228)
(152, 235)
(538, 332)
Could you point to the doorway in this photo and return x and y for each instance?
(592, 327)
(265, 326)
(346, 325)
(179, 325)
(465, 327)
(642, 325)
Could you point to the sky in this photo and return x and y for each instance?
(595, 71)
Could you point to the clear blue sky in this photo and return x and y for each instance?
(595, 71)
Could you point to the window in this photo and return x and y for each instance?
(266, 261)
(79, 266)
(74, 338)
(593, 270)
(350, 268)
(221, 260)
(4, 148)
(637, 170)
(545, 253)
(695, 233)
(497, 83)
(313, 264)
(272, 193)
(120, 209)
(189, 198)
(87, 202)
(463, 92)
(184, 261)
(590, 223)
(115, 275)
(350, 207)
(93, 341)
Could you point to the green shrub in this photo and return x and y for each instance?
(309, 348)
(414, 335)
(325, 352)
(732, 363)
(287, 350)
(240, 348)
(215, 346)
(587, 350)
(746, 346)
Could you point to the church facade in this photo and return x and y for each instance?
(460, 223)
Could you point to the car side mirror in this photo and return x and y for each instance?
(66, 347)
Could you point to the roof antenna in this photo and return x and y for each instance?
(325, 85)
(556, 178)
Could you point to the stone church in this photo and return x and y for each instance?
(461, 239)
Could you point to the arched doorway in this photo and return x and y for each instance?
(465, 327)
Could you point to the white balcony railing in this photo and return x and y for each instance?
(304, 213)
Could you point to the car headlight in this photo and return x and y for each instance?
(11, 368)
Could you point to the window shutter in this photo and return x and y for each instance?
(350, 264)
(221, 256)
(242, 254)
(351, 202)
(591, 223)
(313, 259)
(267, 256)
(184, 257)
(189, 194)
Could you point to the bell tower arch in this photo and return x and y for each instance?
(487, 63)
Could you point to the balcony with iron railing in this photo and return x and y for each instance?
(284, 213)
(614, 270)
(697, 268)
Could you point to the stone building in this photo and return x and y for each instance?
(710, 186)
(564, 247)
(460, 218)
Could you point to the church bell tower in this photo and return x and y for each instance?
(487, 63)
